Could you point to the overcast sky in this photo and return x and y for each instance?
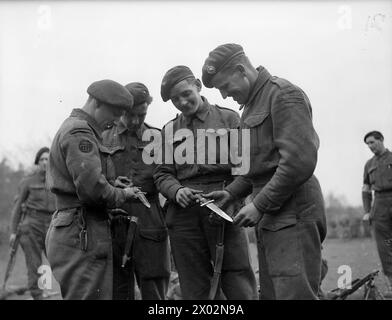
(338, 52)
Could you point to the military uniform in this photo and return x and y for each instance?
(283, 156)
(378, 175)
(78, 241)
(39, 204)
(150, 261)
(192, 236)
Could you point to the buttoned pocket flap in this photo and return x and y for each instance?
(64, 218)
(113, 149)
(256, 119)
(273, 224)
(105, 150)
(154, 234)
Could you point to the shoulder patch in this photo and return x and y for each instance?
(85, 146)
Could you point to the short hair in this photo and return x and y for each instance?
(375, 134)
(39, 154)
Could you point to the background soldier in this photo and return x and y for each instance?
(149, 256)
(78, 242)
(378, 177)
(193, 237)
(287, 199)
(39, 205)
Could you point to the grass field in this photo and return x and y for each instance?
(359, 254)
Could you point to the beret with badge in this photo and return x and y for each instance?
(172, 77)
(112, 93)
(219, 58)
(139, 92)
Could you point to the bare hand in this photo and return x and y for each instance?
(131, 192)
(248, 216)
(367, 218)
(186, 196)
(222, 197)
(123, 182)
(12, 239)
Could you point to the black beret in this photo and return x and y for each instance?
(139, 92)
(218, 59)
(172, 77)
(39, 154)
(112, 93)
(375, 134)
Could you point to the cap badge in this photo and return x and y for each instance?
(211, 69)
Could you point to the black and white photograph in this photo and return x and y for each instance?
(214, 151)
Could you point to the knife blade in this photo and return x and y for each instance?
(143, 199)
(213, 207)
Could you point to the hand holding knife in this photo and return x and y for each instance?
(125, 182)
(213, 207)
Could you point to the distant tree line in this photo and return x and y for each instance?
(9, 181)
(344, 221)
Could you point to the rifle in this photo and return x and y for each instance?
(13, 250)
(370, 287)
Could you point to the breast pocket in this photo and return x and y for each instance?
(386, 175)
(37, 192)
(372, 172)
(65, 228)
(258, 127)
(108, 168)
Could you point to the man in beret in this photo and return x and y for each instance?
(78, 242)
(287, 207)
(377, 177)
(193, 235)
(149, 257)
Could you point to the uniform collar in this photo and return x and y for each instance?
(122, 128)
(386, 152)
(261, 80)
(201, 113)
(81, 114)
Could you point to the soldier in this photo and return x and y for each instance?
(78, 242)
(149, 256)
(378, 177)
(39, 205)
(193, 236)
(287, 204)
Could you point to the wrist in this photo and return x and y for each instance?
(231, 196)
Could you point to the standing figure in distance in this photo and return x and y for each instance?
(39, 205)
(377, 177)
